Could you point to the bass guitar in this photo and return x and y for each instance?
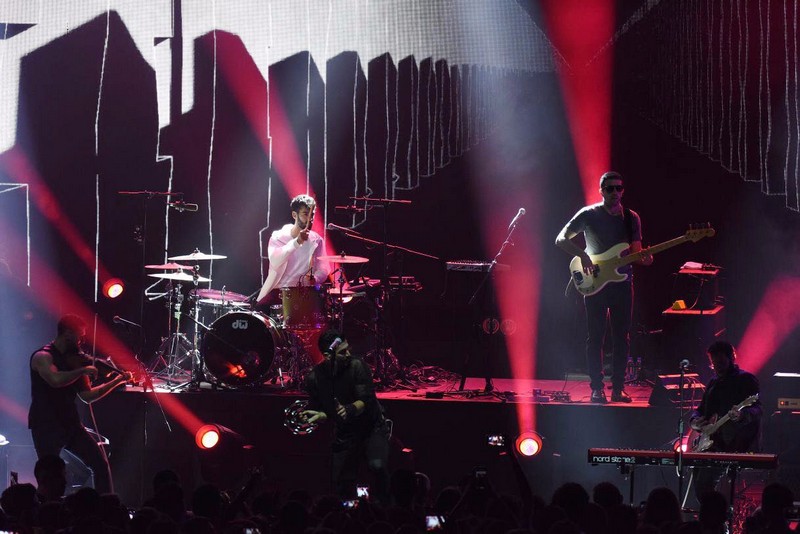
(608, 263)
(703, 441)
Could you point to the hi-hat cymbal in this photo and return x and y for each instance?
(180, 276)
(169, 266)
(197, 255)
(343, 258)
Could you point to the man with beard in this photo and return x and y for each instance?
(729, 388)
(57, 378)
(605, 225)
(294, 252)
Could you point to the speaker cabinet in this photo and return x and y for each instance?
(686, 336)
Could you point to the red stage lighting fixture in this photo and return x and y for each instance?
(529, 444)
(113, 288)
(208, 436)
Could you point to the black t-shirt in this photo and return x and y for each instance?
(53, 407)
(353, 381)
(601, 230)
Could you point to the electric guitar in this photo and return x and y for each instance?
(703, 441)
(608, 263)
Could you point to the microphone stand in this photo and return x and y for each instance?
(381, 351)
(681, 424)
(489, 386)
(147, 196)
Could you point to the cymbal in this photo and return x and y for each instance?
(336, 291)
(219, 295)
(169, 266)
(180, 276)
(197, 255)
(343, 258)
(224, 303)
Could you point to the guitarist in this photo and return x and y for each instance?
(604, 225)
(728, 388)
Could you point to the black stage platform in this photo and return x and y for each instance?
(444, 438)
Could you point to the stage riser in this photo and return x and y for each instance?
(447, 439)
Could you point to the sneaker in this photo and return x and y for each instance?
(599, 396)
(619, 395)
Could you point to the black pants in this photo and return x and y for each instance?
(81, 444)
(348, 452)
(615, 301)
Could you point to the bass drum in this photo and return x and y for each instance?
(239, 347)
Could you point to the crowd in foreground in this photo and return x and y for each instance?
(472, 506)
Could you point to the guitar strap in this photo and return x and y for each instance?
(628, 224)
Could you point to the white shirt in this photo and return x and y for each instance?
(290, 261)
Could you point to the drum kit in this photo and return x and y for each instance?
(231, 345)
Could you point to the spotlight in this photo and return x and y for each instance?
(208, 436)
(3, 440)
(216, 436)
(529, 444)
(223, 454)
(684, 443)
(113, 288)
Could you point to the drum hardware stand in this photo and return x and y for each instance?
(196, 372)
(176, 347)
(294, 362)
(385, 360)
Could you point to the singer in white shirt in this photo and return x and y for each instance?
(294, 252)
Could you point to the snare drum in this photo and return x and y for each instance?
(304, 307)
(239, 347)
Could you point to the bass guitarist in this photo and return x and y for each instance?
(605, 225)
(729, 389)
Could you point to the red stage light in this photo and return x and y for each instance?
(529, 444)
(207, 437)
(683, 443)
(113, 288)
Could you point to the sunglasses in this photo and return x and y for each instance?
(612, 188)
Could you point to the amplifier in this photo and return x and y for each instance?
(787, 403)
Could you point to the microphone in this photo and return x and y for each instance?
(337, 228)
(119, 320)
(183, 206)
(516, 218)
(349, 209)
(336, 343)
(684, 365)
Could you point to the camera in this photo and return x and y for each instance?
(362, 492)
(496, 440)
(434, 522)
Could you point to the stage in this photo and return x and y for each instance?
(443, 437)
